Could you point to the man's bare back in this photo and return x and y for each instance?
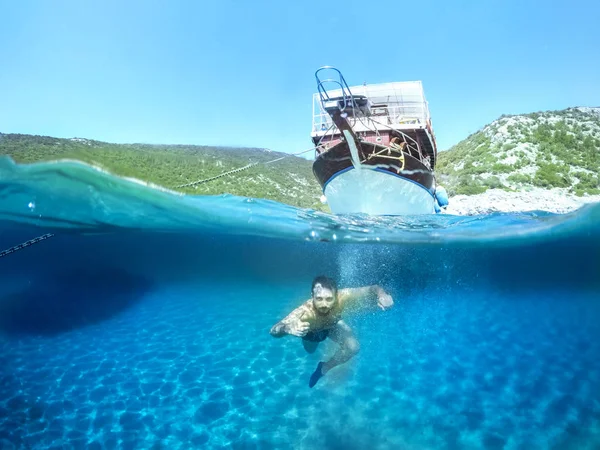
(320, 318)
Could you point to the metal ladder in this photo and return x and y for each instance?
(326, 100)
(338, 113)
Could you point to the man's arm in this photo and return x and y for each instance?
(355, 296)
(294, 324)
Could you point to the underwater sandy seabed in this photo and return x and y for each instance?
(143, 340)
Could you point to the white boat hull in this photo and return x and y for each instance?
(375, 192)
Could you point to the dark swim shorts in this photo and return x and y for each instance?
(316, 336)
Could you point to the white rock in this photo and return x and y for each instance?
(535, 199)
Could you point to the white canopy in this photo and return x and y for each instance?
(402, 102)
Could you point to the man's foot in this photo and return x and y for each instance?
(316, 375)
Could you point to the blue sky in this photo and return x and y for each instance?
(242, 73)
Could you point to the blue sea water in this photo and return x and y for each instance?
(143, 322)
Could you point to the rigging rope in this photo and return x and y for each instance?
(25, 244)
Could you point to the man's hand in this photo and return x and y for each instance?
(384, 300)
(298, 328)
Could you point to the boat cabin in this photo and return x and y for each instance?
(379, 113)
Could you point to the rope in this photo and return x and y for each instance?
(239, 169)
(322, 137)
(25, 244)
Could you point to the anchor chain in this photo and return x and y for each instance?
(206, 180)
(248, 166)
(239, 169)
(25, 244)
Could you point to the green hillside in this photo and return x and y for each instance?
(288, 181)
(553, 149)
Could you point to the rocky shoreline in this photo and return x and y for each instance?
(532, 199)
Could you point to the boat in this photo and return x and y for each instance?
(375, 147)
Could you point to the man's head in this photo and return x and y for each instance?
(324, 294)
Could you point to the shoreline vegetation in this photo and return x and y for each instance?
(287, 181)
(546, 150)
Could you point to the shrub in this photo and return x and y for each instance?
(470, 189)
(502, 168)
(587, 181)
(581, 192)
(551, 175)
(493, 183)
(519, 178)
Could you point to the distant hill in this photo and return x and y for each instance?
(288, 181)
(553, 149)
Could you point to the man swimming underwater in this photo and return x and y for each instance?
(321, 317)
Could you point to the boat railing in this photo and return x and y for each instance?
(410, 145)
(413, 146)
(390, 117)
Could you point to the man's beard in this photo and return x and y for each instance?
(323, 312)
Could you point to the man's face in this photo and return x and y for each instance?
(323, 299)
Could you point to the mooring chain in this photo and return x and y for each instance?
(217, 176)
(239, 169)
(248, 166)
(25, 244)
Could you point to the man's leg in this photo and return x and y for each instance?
(349, 346)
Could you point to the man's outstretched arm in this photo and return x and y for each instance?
(355, 296)
(293, 324)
